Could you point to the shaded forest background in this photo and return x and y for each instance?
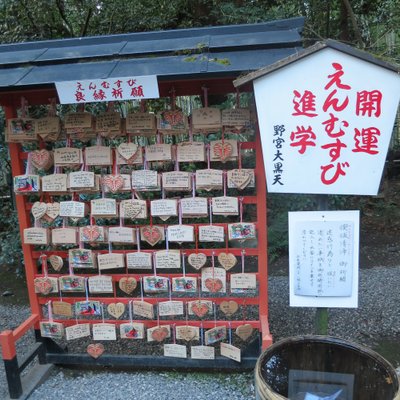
(367, 24)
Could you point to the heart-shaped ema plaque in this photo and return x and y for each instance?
(200, 309)
(197, 260)
(244, 331)
(113, 182)
(38, 209)
(151, 234)
(159, 334)
(227, 260)
(91, 233)
(222, 151)
(174, 118)
(56, 262)
(128, 151)
(186, 332)
(52, 211)
(229, 307)
(41, 159)
(116, 309)
(240, 178)
(95, 350)
(127, 285)
(42, 285)
(214, 285)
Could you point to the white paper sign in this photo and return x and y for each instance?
(108, 89)
(310, 396)
(329, 134)
(323, 258)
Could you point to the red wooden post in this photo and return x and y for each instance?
(17, 168)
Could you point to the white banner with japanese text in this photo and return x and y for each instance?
(323, 258)
(326, 121)
(109, 89)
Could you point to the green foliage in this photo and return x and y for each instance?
(278, 207)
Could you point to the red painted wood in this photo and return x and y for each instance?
(17, 168)
(11, 101)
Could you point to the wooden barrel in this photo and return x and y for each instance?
(324, 366)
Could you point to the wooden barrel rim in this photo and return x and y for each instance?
(266, 390)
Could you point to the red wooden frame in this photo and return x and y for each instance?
(11, 102)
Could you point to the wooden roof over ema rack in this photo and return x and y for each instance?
(221, 53)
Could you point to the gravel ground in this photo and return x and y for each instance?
(378, 315)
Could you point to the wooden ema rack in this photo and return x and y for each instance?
(51, 352)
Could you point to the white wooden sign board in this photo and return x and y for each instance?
(108, 89)
(325, 122)
(323, 258)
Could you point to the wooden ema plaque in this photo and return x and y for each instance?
(163, 247)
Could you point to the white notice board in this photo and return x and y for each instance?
(323, 258)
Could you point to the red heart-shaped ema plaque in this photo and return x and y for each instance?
(200, 309)
(159, 334)
(43, 285)
(151, 234)
(95, 350)
(113, 182)
(41, 159)
(214, 285)
(90, 233)
(222, 150)
(173, 117)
